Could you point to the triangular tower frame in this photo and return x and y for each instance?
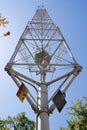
(42, 51)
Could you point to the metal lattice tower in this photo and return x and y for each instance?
(42, 57)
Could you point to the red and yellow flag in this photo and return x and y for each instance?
(22, 92)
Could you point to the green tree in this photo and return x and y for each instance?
(3, 23)
(3, 20)
(19, 122)
(78, 112)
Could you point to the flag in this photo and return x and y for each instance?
(22, 92)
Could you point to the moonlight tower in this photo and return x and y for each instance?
(42, 58)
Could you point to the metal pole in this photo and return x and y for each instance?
(43, 117)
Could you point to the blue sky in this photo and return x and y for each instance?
(71, 17)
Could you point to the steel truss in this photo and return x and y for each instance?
(41, 58)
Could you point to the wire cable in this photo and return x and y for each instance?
(27, 83)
